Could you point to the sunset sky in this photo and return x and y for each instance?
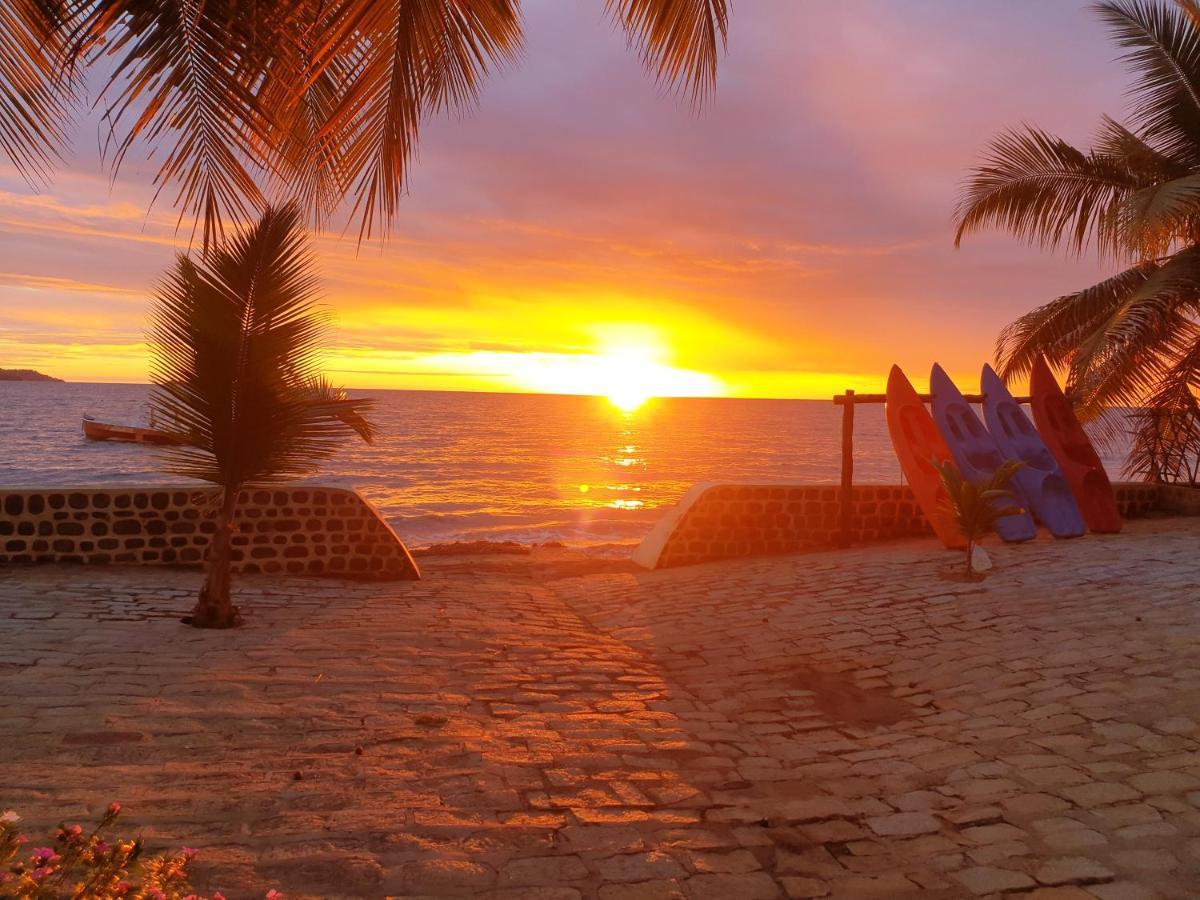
(793, 239)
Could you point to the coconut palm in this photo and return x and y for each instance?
(1133, 339)
(234, 338)
(975, 506)
(316, 100)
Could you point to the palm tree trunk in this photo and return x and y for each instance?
(970, 558)
(215, 607)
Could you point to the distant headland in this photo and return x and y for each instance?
(24, 375)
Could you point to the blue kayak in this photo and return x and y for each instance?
(1040, 479)
(974, 450)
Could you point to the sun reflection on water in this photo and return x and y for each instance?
(627, 504)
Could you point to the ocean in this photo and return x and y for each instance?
(470, 466)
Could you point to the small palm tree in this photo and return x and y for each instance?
(1133, 340)
(234, 339)
(975, 506)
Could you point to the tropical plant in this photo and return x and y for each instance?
(89, 864)
(314, 100)
(1132, 340)
(234, 341)
(974, 506)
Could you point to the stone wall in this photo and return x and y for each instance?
(724, 521)
(1179, 501)
(1136, 499)
(293, 529)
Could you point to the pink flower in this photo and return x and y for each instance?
(9, 816)
(218, 896)
(44, 854)
(190, 852)
(114, 808)
(40, 872)
(101, 846)
(274, 895)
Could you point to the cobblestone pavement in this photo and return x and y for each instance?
(839, 724)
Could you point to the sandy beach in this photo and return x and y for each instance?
(837, 724)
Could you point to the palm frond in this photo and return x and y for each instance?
(403, 60)
(1056, 329)
(187, 74)
(679, 40)
(1166, 445)
(339, 405)
(308, 100)
(1166, 427)
(35, 92)
(976, 506)
(1124, 374)
(234, 342)
(1046, 192)
(1173, 284)
(1162, 42)
(1191, 10)
(1149, 165)
(1121, 358)
(309, 166)
(1161, 217)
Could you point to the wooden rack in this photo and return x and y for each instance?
(847, 402)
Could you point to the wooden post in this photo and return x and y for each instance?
(847, 497)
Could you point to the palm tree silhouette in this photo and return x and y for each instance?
(233, 343)
(1133, 340)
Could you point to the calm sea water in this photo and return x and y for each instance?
(460, 466)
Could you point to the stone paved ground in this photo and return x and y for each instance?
(838, 724)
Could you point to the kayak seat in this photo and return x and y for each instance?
(1040, 460)
(954, 429)
(1015, 423)
(972, 422)
(985, 461)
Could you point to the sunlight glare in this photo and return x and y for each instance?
(627, 369)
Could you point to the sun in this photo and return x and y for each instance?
(628, 367)
(627, 399)
(628, 376)
(628, 383)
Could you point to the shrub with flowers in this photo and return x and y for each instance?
(85, 865)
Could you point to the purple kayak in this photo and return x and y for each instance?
(1040, 479)
(974, 450)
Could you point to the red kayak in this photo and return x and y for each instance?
(918, 442)
(1076, 456)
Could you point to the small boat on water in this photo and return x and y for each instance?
(1040, 479)
(1076, 456)
(130, 434)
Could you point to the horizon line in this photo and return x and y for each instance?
(515, 393)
